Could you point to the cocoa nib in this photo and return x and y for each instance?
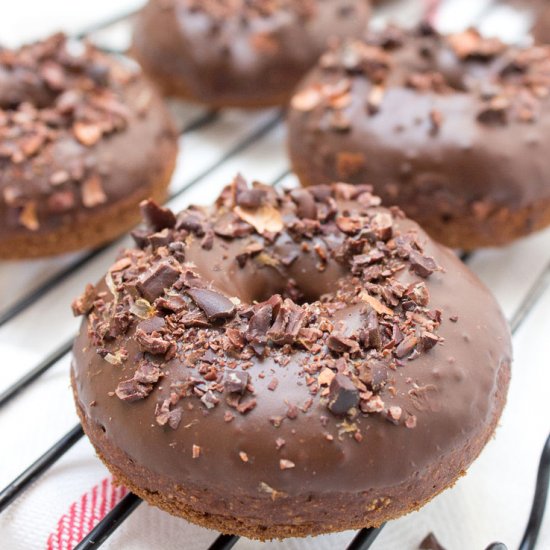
(151, 343)
(165, 415)
(406, 346)
(340, 344)
(231, 226)
(430, 542)
(288, 322)
(258, 326)
(343, 395)
(372, 335)
(251, 198)
(132, 390)
(422, 265)
(235, 381)
(215, 305)
(305, 204)
(428, 340)
(157, 217)
(156, 280)
(147, 373)
(373, 374)
(83, 304)
(192, 221)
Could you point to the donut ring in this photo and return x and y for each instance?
(83, 140)
(290, 364)
(451, 129)
(243, 54)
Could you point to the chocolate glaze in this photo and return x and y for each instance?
(452, 129)
(541, 27)
(80, 131)
(436, 400)
(239, 53)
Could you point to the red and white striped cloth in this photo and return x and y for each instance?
(84, 514)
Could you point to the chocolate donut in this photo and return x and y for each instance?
(83, 140)
(541, 28)
(239, 53)
(288, 364)
(453, 129)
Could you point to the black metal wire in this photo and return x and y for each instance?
(531, 535)
(104, 529)
(365, 538)
(35, 470)
(224, 542)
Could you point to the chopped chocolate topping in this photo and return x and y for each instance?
(157, 217)
(56, 107)
(84, 303)
(421, 265)
(164, 303)
(340, 344)
(215, 305)
(430, 542)
(235, 381)
(285, 464)
(288, 323)
(156, 280)
(343, 395)
(151, 343)
(306, 208)
(132, 390)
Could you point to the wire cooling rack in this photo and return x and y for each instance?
(215, 145)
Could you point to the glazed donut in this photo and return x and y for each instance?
(239, 53)
(83, 140)
(452, 129)
(290, 364)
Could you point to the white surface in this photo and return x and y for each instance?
(491, 503)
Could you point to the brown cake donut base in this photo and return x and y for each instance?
(95, 227)
(498, 228)
(310, 518)
(175, 86)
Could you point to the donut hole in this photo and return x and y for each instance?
(302, 282)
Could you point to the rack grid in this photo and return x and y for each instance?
(242, 134)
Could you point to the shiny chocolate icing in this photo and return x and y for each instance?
(300, 343)
(240, 53)
(450, 128)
